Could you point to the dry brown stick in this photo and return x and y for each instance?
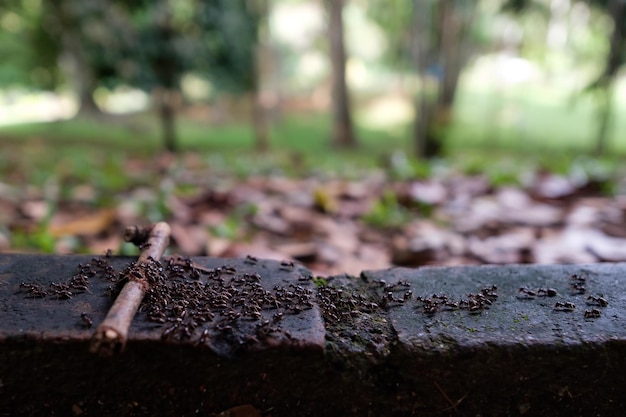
(111, 334)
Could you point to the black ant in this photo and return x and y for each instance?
(546, 292)
(564, 306)
(34, 290)
(526, 293)
(597, 300)
(86, 318)
(287, 265)
(251, 259)
(578, 284)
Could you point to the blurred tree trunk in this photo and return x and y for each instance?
(606, 82)
(604, 119)
(164, 63)
(166, 101)
(81, 76)
(259, 110)
(259, 119)
(425, 141)
(343, 130)
(66, 17)
(440, 51)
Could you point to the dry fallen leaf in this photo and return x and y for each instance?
(606, 248)
(217, 247)
(551, 186)
(510, 247)
(324, 200)
(86, 224)
(567, 246)
(428, 192)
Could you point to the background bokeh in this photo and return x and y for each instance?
(346, 134)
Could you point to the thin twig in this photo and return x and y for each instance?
(442, 392)
(453, 404)
(111, 334)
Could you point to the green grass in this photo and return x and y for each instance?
(497, 134)
(530, 120)
(79, 132)
(299, 145)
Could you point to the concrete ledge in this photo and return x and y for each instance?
(519, 354)
(431, 341)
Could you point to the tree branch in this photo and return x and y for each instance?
(111, 335)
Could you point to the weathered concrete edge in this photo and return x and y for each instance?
(514, 317)
(575, 373)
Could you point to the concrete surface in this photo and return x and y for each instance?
(490, 340)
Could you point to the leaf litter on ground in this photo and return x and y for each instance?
(332, 225)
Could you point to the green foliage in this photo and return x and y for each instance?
(388, 213)
(227, 53)
(128, 249)
(615, 37)
(395, 18)
(402, 167)
(232, 227)
(520, 6)
(32, 53)
(406, 22)
(320, 281)
(501, 175)
(38, 239)
(140, 43)
(228, 229)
